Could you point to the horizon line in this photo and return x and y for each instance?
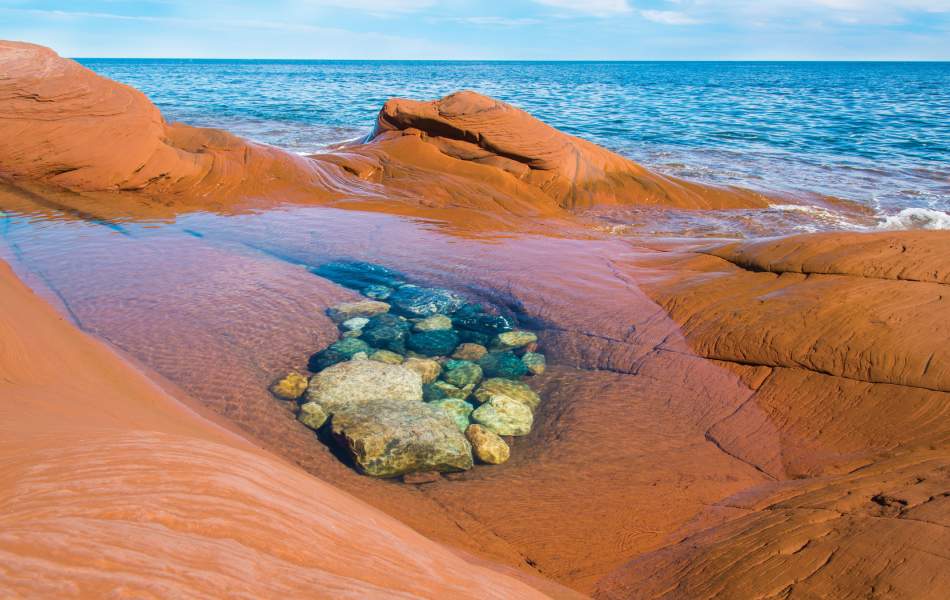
(534, 60)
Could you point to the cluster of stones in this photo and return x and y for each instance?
(420, 380)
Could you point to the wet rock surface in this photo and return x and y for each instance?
(417, 301)
(487, 445)
(414, 382)
(388, 439)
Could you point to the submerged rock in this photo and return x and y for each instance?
(439, 390)
(482, 323)
(424, 302)
(354, 324)
(510, 340)
(428, 369)
(461, 373)
(457, 410)
(475, 337)
(377, 292)
(385, 356)
(390, 439)
(535, 362)
(515, 390)
(503, 364)
(434, 323)
(351, 310)
(504, 416)
(487, 445)
(338, 352)
(290, 387)
(433, 343)
(359, 275)
(421, 478)
(387, 332)
(469, 351)
(348, 384)
(312, 415)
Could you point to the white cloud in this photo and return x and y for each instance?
(669, 17)
(596, 8)
(757, 13)
(377, 6)
(489, 21)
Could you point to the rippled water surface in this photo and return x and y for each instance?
(876, 133)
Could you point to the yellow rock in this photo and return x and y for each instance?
(515, 339)
(427, 368)
(291, 387)
(471, 352)
(515, 390)
(362, 308)
(312, 415)
(488, 446)
(385, 356)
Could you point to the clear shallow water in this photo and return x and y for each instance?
(875, 133)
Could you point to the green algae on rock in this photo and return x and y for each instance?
(312, 415)
(433, 343)
(504, 416)
(386, 332)
(503, 364)
(424, 343)
(338, 352)
(535, 362)
(461, 373)
(439, 390)
(516, 390)
(458, 410)
(389, 439)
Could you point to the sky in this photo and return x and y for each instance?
(493, 30)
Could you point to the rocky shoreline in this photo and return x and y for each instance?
(719, 418)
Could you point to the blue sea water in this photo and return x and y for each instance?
(874, 133)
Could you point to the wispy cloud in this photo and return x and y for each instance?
(596, 8)
(789, 12)
(376, 6)
(489, 21)
(669, 17)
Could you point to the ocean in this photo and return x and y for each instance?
(873, 133)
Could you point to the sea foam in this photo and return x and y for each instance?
(916, 218)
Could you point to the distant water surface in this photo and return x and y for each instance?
(874, 133)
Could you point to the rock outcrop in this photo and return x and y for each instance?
(468, 138)
(62, 124)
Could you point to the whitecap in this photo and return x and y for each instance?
(916, 218)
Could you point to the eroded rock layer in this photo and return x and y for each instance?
(467, 139)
